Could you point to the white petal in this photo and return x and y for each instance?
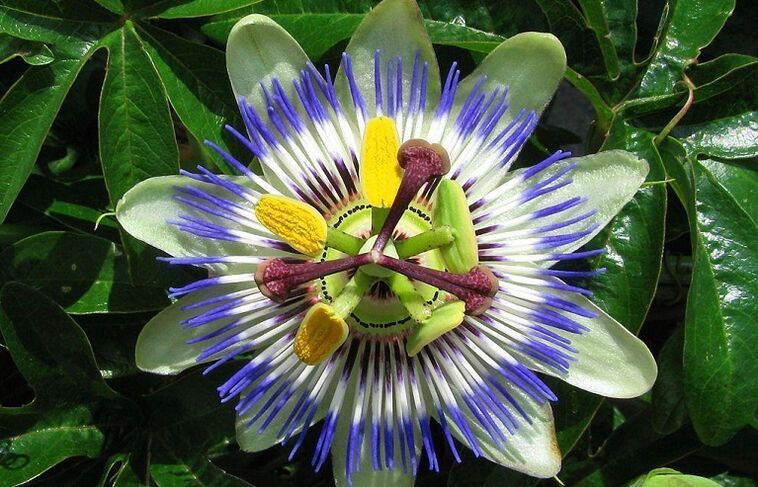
(251, 440)
(531, 449)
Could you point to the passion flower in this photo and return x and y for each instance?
(388, 270)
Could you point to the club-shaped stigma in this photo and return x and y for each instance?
(421, 162)
(276, 278)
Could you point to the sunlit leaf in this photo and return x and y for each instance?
(721, 334)
(693, 25)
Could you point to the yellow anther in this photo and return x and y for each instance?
(320, 334)
(296, 223)
(380, 171)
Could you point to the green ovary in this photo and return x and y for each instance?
(380, 311)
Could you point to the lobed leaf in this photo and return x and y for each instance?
(728, 138)
(29, 108)
(136, 133)
(170, 9)
(195, 80)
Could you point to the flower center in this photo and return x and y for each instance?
(367, 281)
(380, 311)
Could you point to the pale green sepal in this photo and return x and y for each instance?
(366, 476)
(607, 180)
(396, 27)
(162, 344)
(443, 319)
(146, 210)
(530, 64)
(532, 449)
(611, 361)
(258, 50)
(451, 209)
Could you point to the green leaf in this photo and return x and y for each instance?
(29, 108)
(115, 6)
(68, 415)
(83, 274)
(621, 17)
(316, 25)
(710, 78)
(113, 338)
(728, 138)
(136, 133)
(726, 480)
(198, 88)
(594, 12)
(569, 25)
(32, 52)
(741, 178)
(715, 69)
(137, 139)
(71, 26)
(668, 407)
(693, 24)
(171, 470)
(720, 377)
(171, 9)
(49, 348)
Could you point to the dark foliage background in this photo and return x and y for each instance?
(99, 95)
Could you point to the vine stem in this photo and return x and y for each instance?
(680, 114)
